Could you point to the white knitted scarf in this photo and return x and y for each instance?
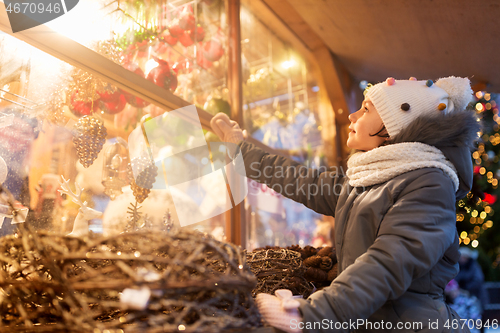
(378, 165)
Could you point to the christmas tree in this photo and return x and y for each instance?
(478, 222)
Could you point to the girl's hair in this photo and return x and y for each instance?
(381, 133)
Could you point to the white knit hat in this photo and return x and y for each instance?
(399, 102)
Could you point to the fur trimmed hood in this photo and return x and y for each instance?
(454, 134)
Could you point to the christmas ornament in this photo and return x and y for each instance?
(144, 171)
(216, 105)
(197, 34)
(85, 213)
(90, 135)
(168, 38)
(81, 108)
(3, 170)
(131, 99)
(162, 75)
(109, 94)
(187, 22)
(114, 171)
(175, 30)
(113, 107)
(213, 50)
(185, 39)
(202, 61)
(140, 193)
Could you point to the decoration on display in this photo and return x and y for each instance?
(182, 280)
(84, 93)
(135, 217)
(213, 50)
(85, 213)
(11, 208)
(301, 270)
(146, 173)
(162, 75)
(89, 137)
(114, 171)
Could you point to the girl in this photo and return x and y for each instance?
(395, 234)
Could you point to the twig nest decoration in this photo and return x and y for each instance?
(132, 282)
(278, 269)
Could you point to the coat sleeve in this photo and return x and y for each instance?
(413, 236)
(317, 190)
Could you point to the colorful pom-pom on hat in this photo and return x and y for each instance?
(399, 102)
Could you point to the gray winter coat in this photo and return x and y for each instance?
(396, 242)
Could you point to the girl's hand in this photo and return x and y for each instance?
(281, 311)
(228, 130)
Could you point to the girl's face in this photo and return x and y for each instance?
(364, 122)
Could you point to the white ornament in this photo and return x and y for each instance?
(3, 170)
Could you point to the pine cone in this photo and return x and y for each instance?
(313, 261)
(295, 248)
(308, 251)
(90, 135)
(140, 193)
(326, 251)
(316, 275)
(332, 274)
(326, 263)
(145, 171)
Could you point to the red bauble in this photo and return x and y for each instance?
(171, 40)
(108, 96)
(113, 107)
(160, 47)
(131, 99)
(175, 30)
(202, 61)
(163, 76)
(185, 40)
(197, 34)
(81, 108)
(187, 22)
(213, 50)
(476, 169)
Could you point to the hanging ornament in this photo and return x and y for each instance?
(185, 39)
(113, 107)
(145, 172)
(115, 168)
(90, 135)
(187, 20)
(109, 93)
(197, 34)
(215, 105)
(3, 170)
(140, 193)
(162, 75)
(81, 108)
(213, 50)
(175, 30)
(202, 61)
(131, 99)
(169, 39)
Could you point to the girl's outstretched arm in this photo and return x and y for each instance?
(317, 189)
